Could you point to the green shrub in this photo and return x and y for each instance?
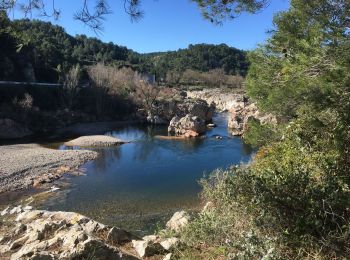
(291, 202)
(257, 134)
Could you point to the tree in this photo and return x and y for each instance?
(70, 86)
(306, 48)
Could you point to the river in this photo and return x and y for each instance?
(138, 186)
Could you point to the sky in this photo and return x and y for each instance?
(170, 25)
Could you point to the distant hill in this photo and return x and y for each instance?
(34, 50)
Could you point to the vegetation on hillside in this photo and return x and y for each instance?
(34, 50)
(292, 201)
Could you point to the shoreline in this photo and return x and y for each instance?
(25, 165)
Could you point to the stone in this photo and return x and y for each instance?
(20, 229)
(168, 256)
(240, 116)
(188, 125)
(178, 221)
(209, 205)
(27, 208)
(18, 243)
(119, 236)
(5, 211)
(42, 256)
(15, 210)
(169, 243)
(146, 248)
(151, 238)
(45, 235)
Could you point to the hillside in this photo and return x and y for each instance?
(34, 50)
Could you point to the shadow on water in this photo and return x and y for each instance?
(137, 185)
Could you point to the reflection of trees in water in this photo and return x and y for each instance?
(144, 149)
(107, 158)
(150, 146)
(191, 144)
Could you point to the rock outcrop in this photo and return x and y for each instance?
(187, 126)
(40, 234)
(224, 101)
(240, 116)
(196, 107)
(163, 112)
(178, 221)
(10, 129)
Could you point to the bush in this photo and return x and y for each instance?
(257, 134)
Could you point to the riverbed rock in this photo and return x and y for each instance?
(178, 221)
(163, 111)
(240, 116)
(40, 234)
(169, 243)
(197, 107)
(188, 126)
(10, 129)
(95, 141)
(147, 247)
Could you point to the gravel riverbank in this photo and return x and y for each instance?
(22, 164)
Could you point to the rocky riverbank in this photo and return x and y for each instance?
(24, 165)
(26, 233)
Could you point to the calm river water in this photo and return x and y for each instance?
(139, 185)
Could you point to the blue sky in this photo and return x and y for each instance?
(172, 24)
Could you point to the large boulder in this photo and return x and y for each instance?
(154, 245)
(178, 221)
(197, 107)
(10, 129)
(189, 126)
(162, 112)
